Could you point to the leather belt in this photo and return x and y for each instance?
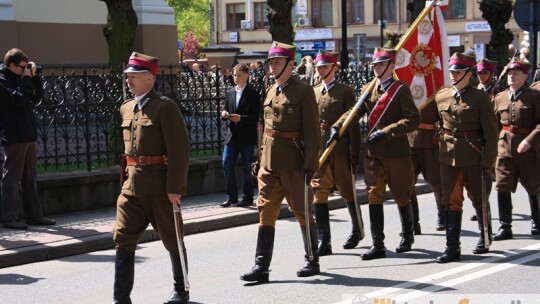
(463, 134)
(146, 160)
(326, 126)
(426, 126)
(516, 129)
(283, 134)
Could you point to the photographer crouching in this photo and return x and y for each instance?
(20, 89)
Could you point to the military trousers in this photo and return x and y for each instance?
(397, 173)
(274, 186)
(335, 171)
(134, 213)
(455, 179)
(509, 170)
(426, 162)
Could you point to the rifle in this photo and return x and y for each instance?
(485, 211)
(123, 157)
(496, 86)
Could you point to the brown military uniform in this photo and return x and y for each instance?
(389, 162)
(520, 120)
(156, 129)
(291, 143)
(469, 129)
(332, 104)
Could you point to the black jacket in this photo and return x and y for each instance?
(17, 95)
(244, 132)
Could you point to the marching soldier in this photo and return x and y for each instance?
(334, 99)
(518, 112)
(468, 143)
(486, 71)
(423, 143)
(290, 147)
(157, 158)
(391, 115)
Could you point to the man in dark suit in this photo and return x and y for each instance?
(242, 111)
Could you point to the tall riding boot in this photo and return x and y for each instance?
(535, 215)
(179, 295)
(322, 217)
(263, 256)
(355, 237)
(453, 232)
(124, 271)
(480, 246)
(376, 218)
(416, 214)
(441, 223)
(407, 225)
(312, 267)
(504, 200)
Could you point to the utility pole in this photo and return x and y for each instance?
(344, 50)
(211, 22)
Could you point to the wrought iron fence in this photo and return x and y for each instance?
(78, 118)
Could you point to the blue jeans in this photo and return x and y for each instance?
(230, 155)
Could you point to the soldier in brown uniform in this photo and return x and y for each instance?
(467, 146)
(424, 159)
(334, 99)
(157, 153)
(518, 111)
(290, 147)
(486, 71)
(392, 114)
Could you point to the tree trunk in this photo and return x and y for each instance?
(120, 31)
(497, 13)
(279, 17)
(415, 7)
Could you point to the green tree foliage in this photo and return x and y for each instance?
(120, 31)
(191, 16)
(497, 13)
(279, 17)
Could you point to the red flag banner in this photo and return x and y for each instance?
(422, 61)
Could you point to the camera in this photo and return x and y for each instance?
(39, 69)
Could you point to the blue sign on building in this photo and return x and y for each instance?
(319, 45)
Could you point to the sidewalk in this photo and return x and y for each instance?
(89, 231)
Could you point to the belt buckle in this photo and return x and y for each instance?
(513, 129)
(140, 160)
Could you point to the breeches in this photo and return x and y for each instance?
(455, 179)
(396, 172)
(424, 161)
(134, 213)
(336, 170)
(509, 170)
(274, 186)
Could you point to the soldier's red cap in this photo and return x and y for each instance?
(460, 62)
(326, 57)
(486, 65)
(517, 64)
(139, 63)
(282, 50)
(384, 54)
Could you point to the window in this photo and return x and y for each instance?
(261, 20)
(236, 12)
(355, 11)
(389, 10)
(321, 10)
(456, 10)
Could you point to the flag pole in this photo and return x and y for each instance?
(371, 85)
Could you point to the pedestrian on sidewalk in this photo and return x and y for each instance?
(388, 114)
(241, 110)
(334, 99)
(289, 159)
(20, 90)
(157, 153)
(467, 151)
(518, 112)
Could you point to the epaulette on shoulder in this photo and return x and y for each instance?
(126, 101)
(443, 90)
(165, 98)
(319, 84)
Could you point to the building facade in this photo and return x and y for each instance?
(243, 23)
(71, 31)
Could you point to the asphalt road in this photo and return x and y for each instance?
(216, 259)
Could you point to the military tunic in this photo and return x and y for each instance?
(467, 143)
(156, 129)
(332, 104)
(389, 162)
(290, 145)
(519, 118)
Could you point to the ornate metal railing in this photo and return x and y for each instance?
(78, 117)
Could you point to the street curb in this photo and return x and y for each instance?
(103, 241)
